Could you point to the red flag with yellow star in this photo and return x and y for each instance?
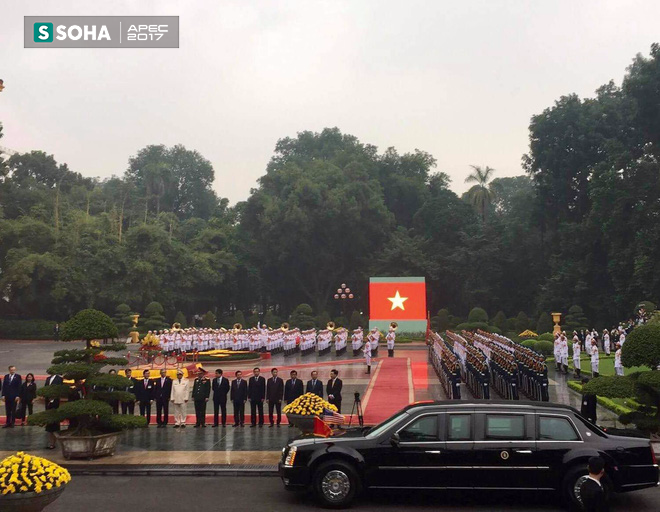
(397, 298)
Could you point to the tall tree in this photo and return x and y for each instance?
(479, 195)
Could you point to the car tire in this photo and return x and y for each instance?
(570, 486)
(335, 484)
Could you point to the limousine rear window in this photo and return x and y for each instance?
(590, 426)
(385, 425)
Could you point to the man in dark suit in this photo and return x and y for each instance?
(314, 385)
(256, 395)
(129, 407)
(144, 392)
(334, 389)
(52, 403)
(200, 395)
(293, 388)
(162, 394)
(238, 396)
(274, 395)
(220, 390)
(588, 407)
(594, 496)
(11, 389)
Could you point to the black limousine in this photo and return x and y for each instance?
(467, 445)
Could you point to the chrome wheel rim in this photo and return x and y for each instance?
(335, 485)
(578, 486)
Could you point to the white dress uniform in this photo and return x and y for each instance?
(356, 340)
(606, 343)
(594, 360)
(618, 366)
(622, 338)
(563, 351)
(367, 355)
(576, 355)
(391, 338)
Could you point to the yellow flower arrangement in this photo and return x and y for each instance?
(150, 340)
(528, 334)
(26, 473)
(309, 404)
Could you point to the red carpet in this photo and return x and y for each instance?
(390, 391)
(420, 375)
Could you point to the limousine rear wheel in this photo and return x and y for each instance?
(336, 483)
(571, 486)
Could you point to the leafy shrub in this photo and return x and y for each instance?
(472, 326)
(642, 346)
(494, 329)
(544, 347)
(122, 319)
(544, 323)
(522, 322)
(443, 321)
(546, 336)
(87, 325)
(302, 317)
(155, 320)
(273, 321)
(477, 315)
(27, 329)
(322, 320)
(529, 344)
(575, 319)
(208, 320)
(341, 321)
(180, 318)
(239, 318)
(499, 321)
(356, 320)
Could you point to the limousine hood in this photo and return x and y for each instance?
(338, 436)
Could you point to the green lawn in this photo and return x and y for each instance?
(606, 366)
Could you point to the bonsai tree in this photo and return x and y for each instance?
(155, 321)
(575, 319)
(477, 315)
(208, 320)
(180, 318)
(122, 318)
(89, 414)
(302, 317)
(642, 348)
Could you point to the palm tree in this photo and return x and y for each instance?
(479, 195)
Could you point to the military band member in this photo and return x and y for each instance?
(593, 351)
(391, 338)
(618, 366)
(606, 342)
(576, 354)
(367, 355)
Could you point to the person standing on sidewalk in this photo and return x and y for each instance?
(26, 398)
(162, 393)
(618, 366)
(11, 389)
(144, 392)
(274, 395)
(257, 396)
(200, 395)
(220, 390)
(333, 389)
(129, 407)
(238, 396)
(367, 355)
(179, 399)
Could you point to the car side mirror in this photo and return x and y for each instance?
(395, 439)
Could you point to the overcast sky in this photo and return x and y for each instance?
(459, 79)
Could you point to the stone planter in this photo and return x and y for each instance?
(29, 501)
(302, 422)
(88, 447)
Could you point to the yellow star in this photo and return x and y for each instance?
(397, 301)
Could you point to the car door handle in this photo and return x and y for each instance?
(435, 452)
(527, 452)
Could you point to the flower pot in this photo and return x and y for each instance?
(29, 501)
(88, 447)
(303, 422)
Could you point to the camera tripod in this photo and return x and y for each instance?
(357, 407)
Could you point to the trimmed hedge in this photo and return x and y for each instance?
(642, 347)
(27, 329)
(544, 347)
(604, 401)
(546, 336)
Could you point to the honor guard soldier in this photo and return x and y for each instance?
(367, 355)
(200, 395)
(391, 338)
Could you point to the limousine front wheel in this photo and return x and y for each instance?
(335, 484)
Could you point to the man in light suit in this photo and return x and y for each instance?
(11, 389)
(314, 385)
(274, 394)
(238, 396)
(220, 387)
(334, 389)
(179, 398)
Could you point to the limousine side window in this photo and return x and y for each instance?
(500, 426)
(422, 429)
(459, 427)
(553, 428)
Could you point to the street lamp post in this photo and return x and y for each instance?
(344, 295)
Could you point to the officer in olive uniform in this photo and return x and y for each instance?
(200, 395)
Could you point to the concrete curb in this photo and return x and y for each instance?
(171, 470)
